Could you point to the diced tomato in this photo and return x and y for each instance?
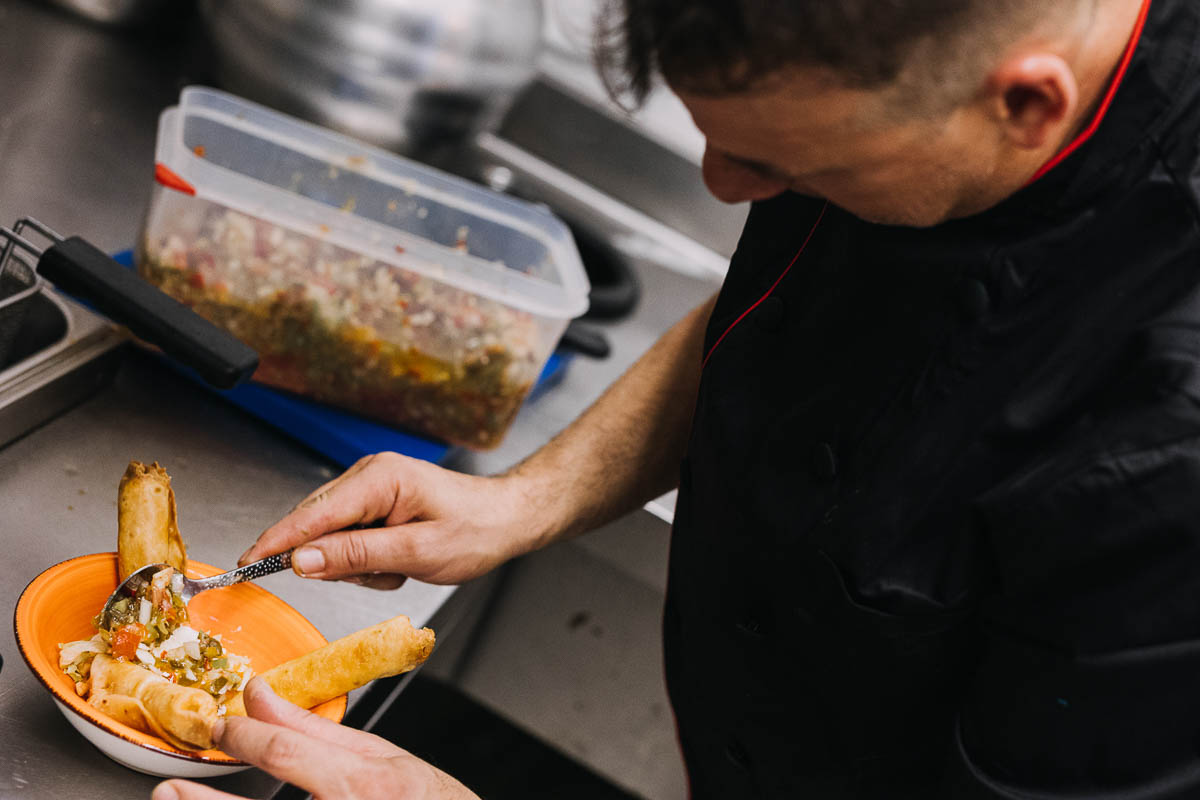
(126, 640)
(196, 280)
(202, 261)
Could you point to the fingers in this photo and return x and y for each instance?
(186, 790)
(263, 704)
(375, 556)
(366, 492)
(355, 468)
(289, 755)
(269, 542)
(383, 582)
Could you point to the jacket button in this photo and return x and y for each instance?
(1012, 281)
(751, 627)
(770, 313)
(736, 755)
(824, 462)
(973, 299)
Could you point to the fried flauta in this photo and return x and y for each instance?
(142, 699)
(130, 711)
(388, 648)
(147, 532)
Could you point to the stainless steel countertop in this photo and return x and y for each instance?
(77, 121)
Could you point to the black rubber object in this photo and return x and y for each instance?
(80, 269)
(586, 340)
(615, 289)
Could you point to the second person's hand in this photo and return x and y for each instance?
(422, 521)
(331, 761)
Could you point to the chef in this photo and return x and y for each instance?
(937, 440)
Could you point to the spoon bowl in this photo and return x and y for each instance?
(186, 587)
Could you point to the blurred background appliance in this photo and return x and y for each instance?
(415, 76)
(504, 92)
(606, 174)
(126, 12)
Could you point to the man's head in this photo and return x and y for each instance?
(900, 111)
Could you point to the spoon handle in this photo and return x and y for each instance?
(267, 566)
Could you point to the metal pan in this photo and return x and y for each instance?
(18, 284)
(82, 270)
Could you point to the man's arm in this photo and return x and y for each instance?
(445, 527)
(625, 450)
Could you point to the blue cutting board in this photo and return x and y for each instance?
(341, 436)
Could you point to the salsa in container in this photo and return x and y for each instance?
(363, 279)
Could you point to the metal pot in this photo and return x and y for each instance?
(410, 75)
(124, 12)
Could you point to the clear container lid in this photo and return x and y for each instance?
(242, 155)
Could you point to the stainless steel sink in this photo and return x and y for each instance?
(63, 354)
(606, 177)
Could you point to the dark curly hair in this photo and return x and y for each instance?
(719, 46)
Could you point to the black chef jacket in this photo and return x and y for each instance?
(938, 529)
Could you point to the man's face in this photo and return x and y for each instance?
(852, 147)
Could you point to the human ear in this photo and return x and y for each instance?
(1033, 98)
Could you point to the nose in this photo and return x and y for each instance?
(733, 182)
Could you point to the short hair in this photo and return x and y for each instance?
(725, 46)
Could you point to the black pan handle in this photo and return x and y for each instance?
(80, 269)
(585, 339)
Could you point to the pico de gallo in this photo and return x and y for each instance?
(151, 629)
(345, 329)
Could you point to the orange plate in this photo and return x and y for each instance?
(58, 606)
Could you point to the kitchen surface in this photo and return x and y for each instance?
(564, 643)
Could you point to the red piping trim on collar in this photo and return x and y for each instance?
(786, 269)
(1122, 68)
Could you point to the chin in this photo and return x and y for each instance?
(905, 217)
(923, 209)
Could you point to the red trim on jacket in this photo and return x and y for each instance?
(786, 269)
(1094, 125)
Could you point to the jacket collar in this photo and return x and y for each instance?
(1160, 76)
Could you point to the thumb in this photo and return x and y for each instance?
(356, 552)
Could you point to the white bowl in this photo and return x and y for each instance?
(140, 756)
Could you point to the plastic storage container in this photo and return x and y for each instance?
(364, 280)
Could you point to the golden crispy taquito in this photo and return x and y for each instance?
(147, 532)
(388, 648)
(181, 715)
(127, 710)
(131, 712)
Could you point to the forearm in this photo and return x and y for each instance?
(625, 449)
(443, 527)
